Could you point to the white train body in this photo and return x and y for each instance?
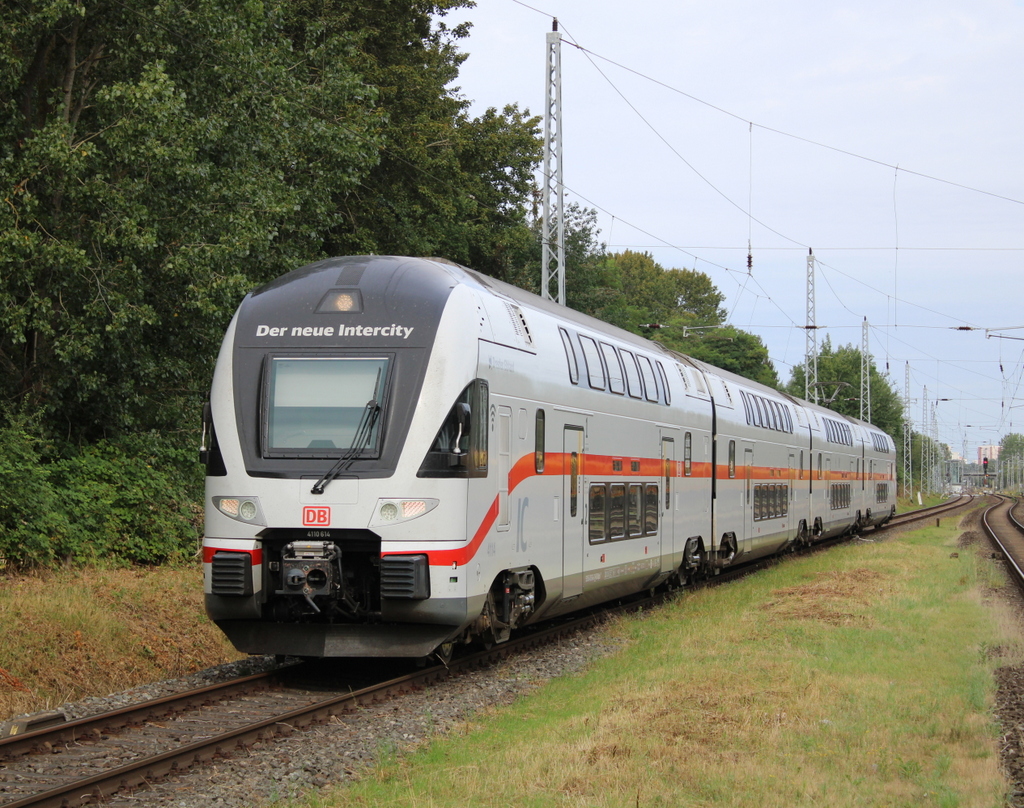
(404, 453)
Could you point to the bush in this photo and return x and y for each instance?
(134, 500)
(32, 522)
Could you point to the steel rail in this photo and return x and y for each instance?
(1011, 562)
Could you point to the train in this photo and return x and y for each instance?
(404, 455)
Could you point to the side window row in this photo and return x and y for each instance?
(622, 511)
(766, 413)
(881, 443)
(616, 370)
(836, 432)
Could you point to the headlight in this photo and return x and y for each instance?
(393, 511)
(244, 509)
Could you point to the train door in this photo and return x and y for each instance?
(667, 500)
(746, 542)
(504, 465)
(572, 511)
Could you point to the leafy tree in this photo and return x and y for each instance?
(445, 184)
(729, 348)
(156, 162)
(839, 372)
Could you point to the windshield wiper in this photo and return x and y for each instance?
(361, 439)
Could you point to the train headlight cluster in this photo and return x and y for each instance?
(393, 511)
(244, 509)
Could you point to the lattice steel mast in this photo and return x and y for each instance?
(552, 227)
(811, 359)
(865, 375)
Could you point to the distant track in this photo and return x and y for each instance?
(1007, 533)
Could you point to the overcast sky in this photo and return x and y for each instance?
(886, 136)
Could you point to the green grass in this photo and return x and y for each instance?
(858, 677)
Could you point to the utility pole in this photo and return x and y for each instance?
(865, 375)
(811, 360)
(908, 439)
(553, 226)
(925, 474)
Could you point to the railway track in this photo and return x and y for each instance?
(90, 759)
(1007, 533)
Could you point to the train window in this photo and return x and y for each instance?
(633, 385)
(651, 510)
(538, 443)
(617, 511)
(650, 383)
(616, 378)
(635, 509)
(819, 465)
(682, 375)
(598, 512)
(322, 406)
(746, 406)
(664, 383)
(732, 459)
(801, 464)
(570, 356)
(592, 359)
(688, 454)
(759, 419)
(478, 431)
(460, 446)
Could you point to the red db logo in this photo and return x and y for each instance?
(316, 516)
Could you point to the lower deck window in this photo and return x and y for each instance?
(623, 511)
(771, 501)
(840, 496)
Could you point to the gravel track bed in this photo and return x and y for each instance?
(336, 751)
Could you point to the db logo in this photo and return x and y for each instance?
(316, 516)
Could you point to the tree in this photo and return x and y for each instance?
(728, 348)
(159, 160)
(839, 372)
(156, 163)
(445, 184)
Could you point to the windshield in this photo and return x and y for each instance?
(315, 404)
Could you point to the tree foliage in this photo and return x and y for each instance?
(161, 158)
(157, 161)
(839, 372)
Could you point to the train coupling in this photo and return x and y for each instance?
(308, 568)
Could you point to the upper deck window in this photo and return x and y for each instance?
(319, 407)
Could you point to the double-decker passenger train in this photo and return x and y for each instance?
(403, 455)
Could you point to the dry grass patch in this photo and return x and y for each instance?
(69, 634)
(829, 597)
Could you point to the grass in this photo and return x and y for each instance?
(74, 633)
(858, 677)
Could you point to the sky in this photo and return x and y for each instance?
(887, 137)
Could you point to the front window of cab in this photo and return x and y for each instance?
(324, 406)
